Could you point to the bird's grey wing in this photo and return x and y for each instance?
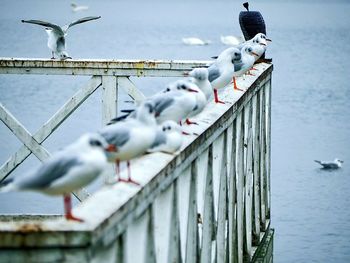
(79, 21)
(116, 135)
(213, 72)
(57, 28)
(238, 66)
(162, 103)
(48, 173)
(159, 140)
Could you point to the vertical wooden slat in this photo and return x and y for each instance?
(240, 185)
(206, 251)
(222, 206)
(268, 144)
(192, 229)
(248, 180)
(150, 255)
(262, 161)
(183, 195)
(162, 213)
(232, 204)
(174, 243)
(109, 98)
(256, 159)
(109, 111)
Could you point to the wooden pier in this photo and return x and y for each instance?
(208, 203)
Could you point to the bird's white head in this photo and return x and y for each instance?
(338, 162)
(249, 49)
(230, 55)
(261, 39)
(146, 113)
(199, 74)
(171, 126)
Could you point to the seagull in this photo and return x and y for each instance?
(260, 43)
(131, 137)
(231, 40)
(66, 171)
(77, 8)
(245, 64)
(222, 70)
(179, 100)
(168, 138)
(330, 165)
(194, 41)
(56, 35)
(199, 76)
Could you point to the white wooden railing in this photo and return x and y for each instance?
(208, 203)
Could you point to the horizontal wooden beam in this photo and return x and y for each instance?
(145, 68)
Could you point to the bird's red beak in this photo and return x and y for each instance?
(267, 39)
(262, 44)
(255, 54)
(111, 148)
(192, 90)
(185, 133)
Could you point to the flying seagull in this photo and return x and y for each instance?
(56, 34)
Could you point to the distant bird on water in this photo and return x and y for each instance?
(78, 8)
(68, 170)
(195, 41)
(56, 35)
(330, 164)
(231, 40)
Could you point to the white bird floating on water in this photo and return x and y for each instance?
(329, 164)
(78, 8)
(195, 41)
(68, 170)
(56, 35)
(231, 40)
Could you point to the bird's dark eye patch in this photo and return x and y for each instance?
(164, 128)
(94, 142)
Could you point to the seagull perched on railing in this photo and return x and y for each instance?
(199, 76)
(68, 170)
(246, 63)
(222, 70)
(56, 35)
(168, 139)
(131, 137)
(260, 43)
(329, 164)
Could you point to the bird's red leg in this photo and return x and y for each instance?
(53, 55)
(188, 122)
(68, 209)
(129, 180)
(235, 85)
(216, 98)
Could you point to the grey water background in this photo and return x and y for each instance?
(310, 104)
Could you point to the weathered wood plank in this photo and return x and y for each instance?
(149, 68)
(51, 125)
(23, 134)
(262, 162)
(256, 160)
(129, 87)
(268, 145)
(208, 214)
(222, 207)
(240, 184)
(192, 223)
(232, 200)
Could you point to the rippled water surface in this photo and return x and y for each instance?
(310, 110)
